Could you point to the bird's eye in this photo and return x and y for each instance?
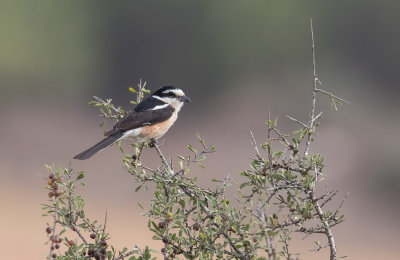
(170, 94)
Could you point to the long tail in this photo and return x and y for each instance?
(98, 147)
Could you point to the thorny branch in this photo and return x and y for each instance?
(289, 180)
(313, 118)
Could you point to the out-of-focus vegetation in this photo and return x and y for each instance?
(77, 46)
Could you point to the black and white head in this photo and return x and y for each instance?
(173, 96)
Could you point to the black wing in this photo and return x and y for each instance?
(148, 104)
(138, 119)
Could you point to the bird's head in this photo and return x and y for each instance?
(173, 96)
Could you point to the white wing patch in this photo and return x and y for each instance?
(132, 133)
(159, 107)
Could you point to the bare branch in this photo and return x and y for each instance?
(319, 247)
(314, 93)
(331, 95)
(253, 142)
(55, 216)
(318, 116)
(106, 103)
(327, 228)
(105, 223)
(298, 121)
(140, 92)
(161, 155)
(80, 234)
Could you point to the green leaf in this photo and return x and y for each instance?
(278, 154)
(81, 175)
(201, 165)
(244, 184)
(156, 237)
(190, 147)
(276, 121)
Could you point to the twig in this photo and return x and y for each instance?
(330, 94)
(329, 198)
(140, 92)
(327, 231)
(106, 103)
(253, 142)
(314, 93)
(318, 116)
(105, 223)
(316, 175)
(345, 197)
(340, 205)
(161, 155)
(80, 235)
(135, 250)
(297, 121)
(319, 247)
(54, 231)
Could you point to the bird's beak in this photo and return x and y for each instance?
(185, 99)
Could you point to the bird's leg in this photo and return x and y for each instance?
(152, 143)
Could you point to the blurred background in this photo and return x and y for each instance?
(236, 60)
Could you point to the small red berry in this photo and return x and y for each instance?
(93, 236)
(71, 243)
(48, 230)
(196, 227)
(54, 255)
(51, 194)
(56, 239)
(103, 243)
(161, 224)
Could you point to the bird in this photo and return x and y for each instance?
(150, 119)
